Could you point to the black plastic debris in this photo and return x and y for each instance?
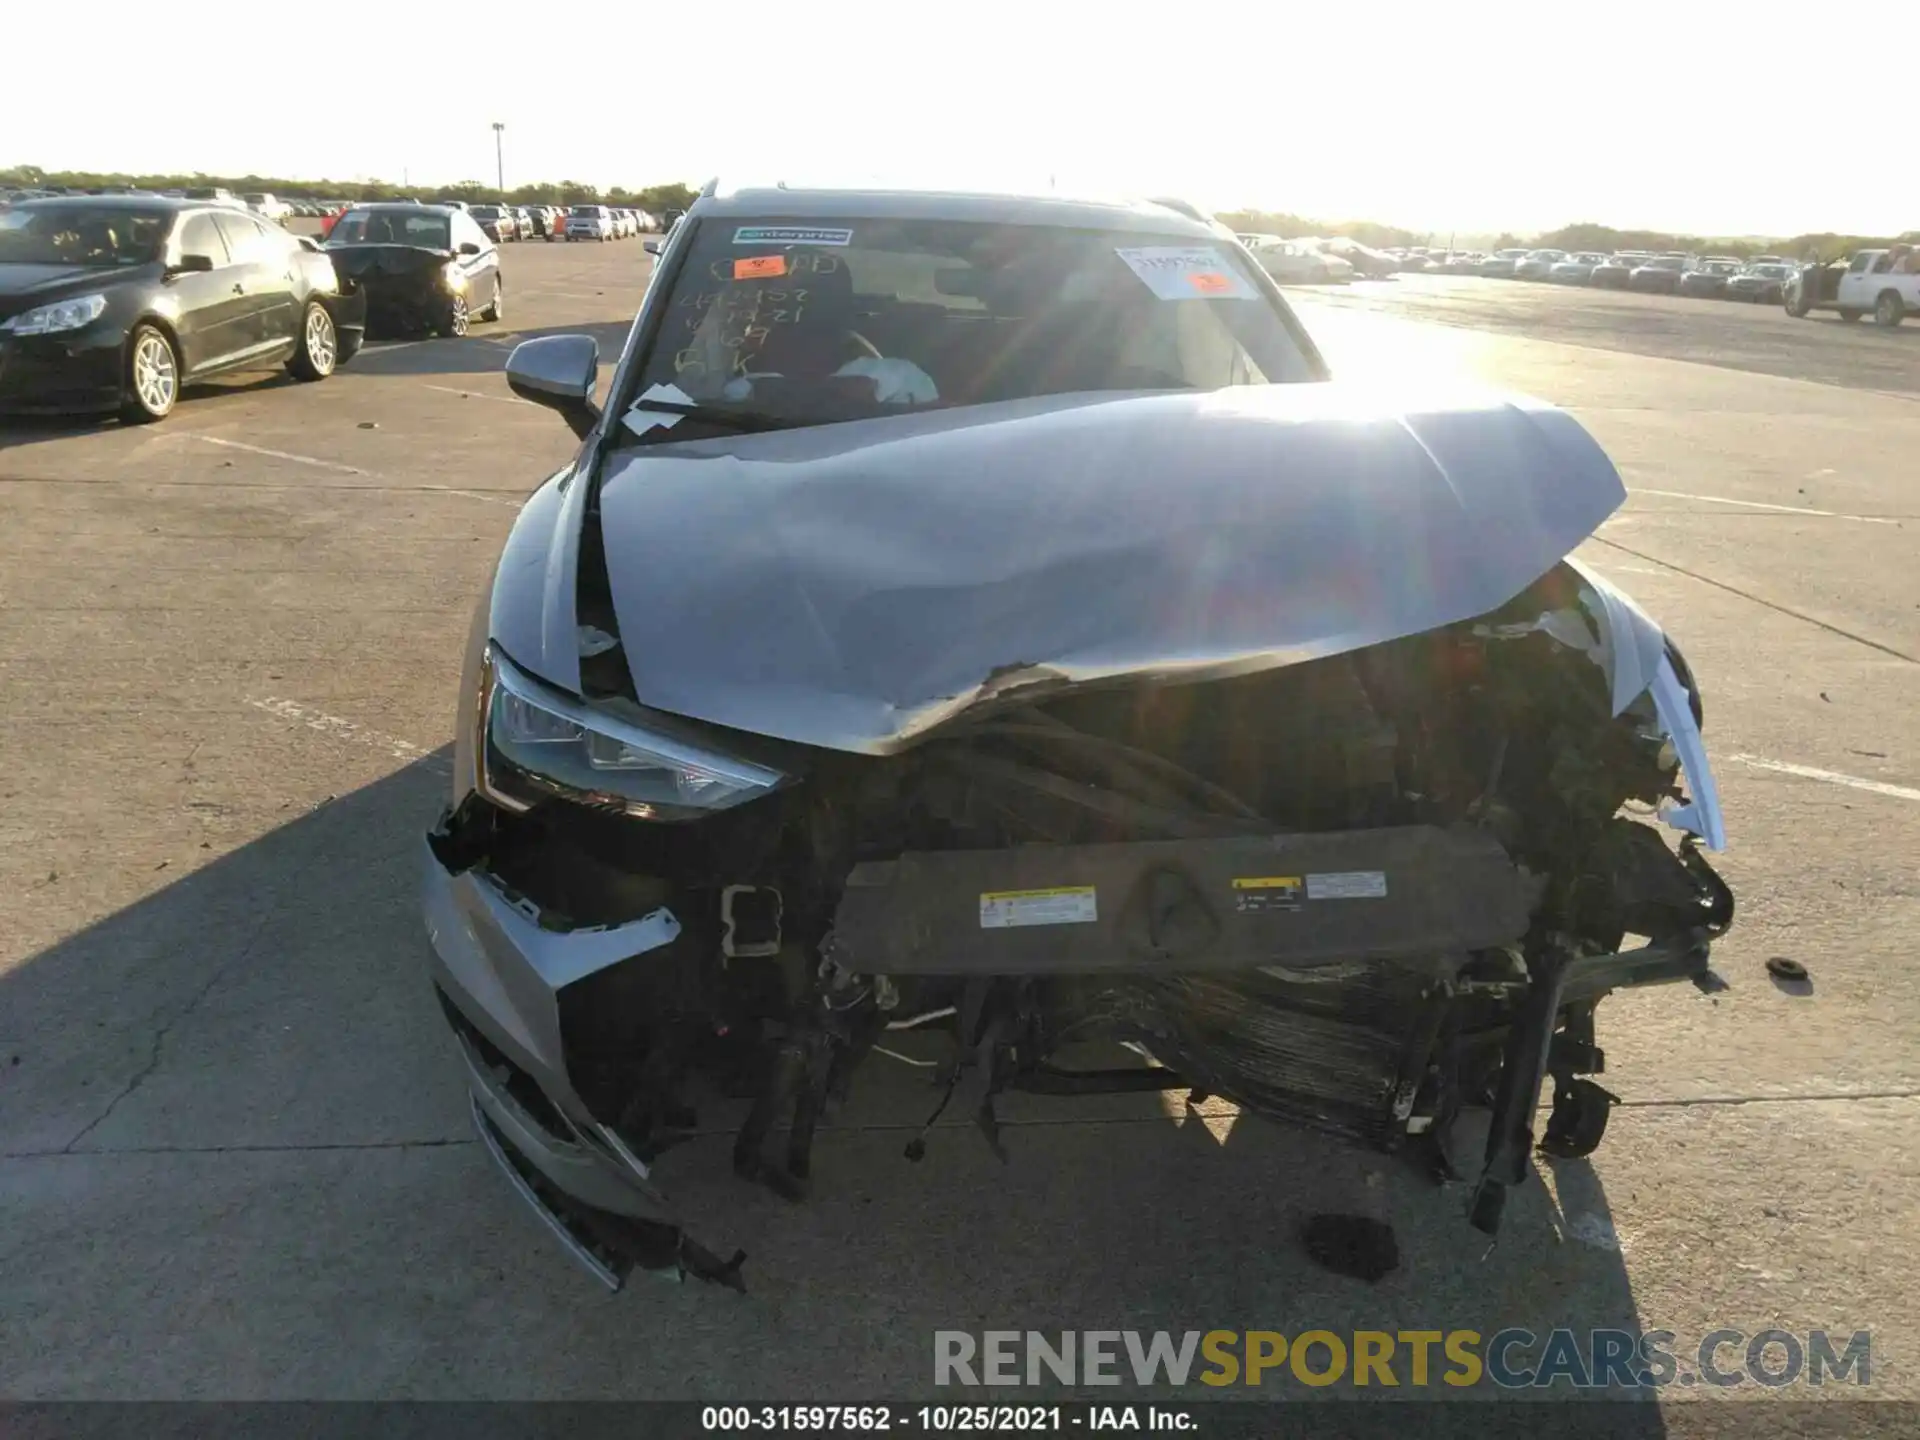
(1782, 967)
(1352, 1245)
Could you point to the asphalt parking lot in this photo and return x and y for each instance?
(234, 1152)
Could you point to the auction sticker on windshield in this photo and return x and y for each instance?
(1182, 272)
(790, 235)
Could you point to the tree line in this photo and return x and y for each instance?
(652, 198)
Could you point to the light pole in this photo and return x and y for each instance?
(499, 164)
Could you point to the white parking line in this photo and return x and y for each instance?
(1831, 777)
(277, 454)
(1762, 505)
(345, 469)
(477, 395)
(342, 729)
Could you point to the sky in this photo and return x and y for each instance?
(1679, 117)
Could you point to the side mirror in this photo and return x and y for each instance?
(560, 372)
(652, 247)
(193, 265)
(467, 247)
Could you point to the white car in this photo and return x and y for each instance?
(1575, 269)
(268, 208)
(1292, 262)
(589, 222)
(1538, 264)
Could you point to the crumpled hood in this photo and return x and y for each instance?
(851, 586)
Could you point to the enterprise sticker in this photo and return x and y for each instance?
(1186, 272)
(1348, 885)
(1067, 905)
(790, 235)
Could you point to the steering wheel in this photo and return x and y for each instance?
(865, 344)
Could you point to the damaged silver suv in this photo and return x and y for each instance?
(986, 614)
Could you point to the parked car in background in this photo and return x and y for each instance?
(266, 207)
(1660, 275)
(1708, 280)
(500, 222)
(215, 194)
(1883, 283)
(1290, 262)
(1576, 268)
(421, 267)
(117, 303)
(1614, 272)
(1460, 262)
(1368, 263)
(1538, 264)
(1762, 282)
(1501, 264)
(589, 222)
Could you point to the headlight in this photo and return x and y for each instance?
(451, 273)
(537, 743)
(63, 315)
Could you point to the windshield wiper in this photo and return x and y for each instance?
(728, 418)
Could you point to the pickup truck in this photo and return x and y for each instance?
(1883, 282)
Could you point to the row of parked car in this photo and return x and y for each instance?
(504, 223)
(1763, 279)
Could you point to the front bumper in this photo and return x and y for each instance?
(77, 372)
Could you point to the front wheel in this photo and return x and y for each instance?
(1889, 311)
(1797, 305)
(319, 346)
(153, 377)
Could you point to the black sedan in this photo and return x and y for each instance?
(423, 267)
(1761, 283)
(1709, 280)
(1661, 274)
(117, 302)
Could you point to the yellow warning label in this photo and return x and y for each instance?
(1267, 882)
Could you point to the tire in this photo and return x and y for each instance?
(1889, 310)
(455, 324)
(1850, 315)
(1796, 303)
(152, 385)
(317, 348)
(498, 308)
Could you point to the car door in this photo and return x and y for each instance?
(277, 284)
(482, 267)
(1856, 284)
(209, 305)
(246, 243)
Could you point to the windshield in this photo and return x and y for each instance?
(809, 324)
(93, 235)
(1667, 262)
(425, 229)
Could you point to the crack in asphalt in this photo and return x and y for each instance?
(458, 1142)
(1773, 605)
(158, 1048)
